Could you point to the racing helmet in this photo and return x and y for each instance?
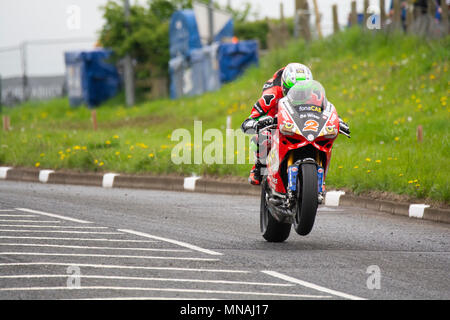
(293, 73)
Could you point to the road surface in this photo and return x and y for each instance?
(75, 242)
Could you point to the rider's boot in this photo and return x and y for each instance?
(255, 175)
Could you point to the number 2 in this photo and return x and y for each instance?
(311, 125)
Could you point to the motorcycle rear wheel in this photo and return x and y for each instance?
(307, 201)
(271, 229)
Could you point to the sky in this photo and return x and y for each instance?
(79, 22)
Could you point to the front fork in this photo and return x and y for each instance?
(293, 169)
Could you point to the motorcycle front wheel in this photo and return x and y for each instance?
(271, 229)
(307, 199)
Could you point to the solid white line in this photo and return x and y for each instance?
(59, 231)
(180, 243)
(53, 215)
(102, 256)
(101, 277)
(311, 285)
(142, 298)
(108, 266)
(61, 227)
(168, 290)
(41, 221)
(79, 239)
(90, 248)
(7, 210)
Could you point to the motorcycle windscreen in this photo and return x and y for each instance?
(307, 99)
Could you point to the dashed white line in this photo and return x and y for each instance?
(19, 215)
(34, 221)
(225, 292)
(79, 239)
(102, 256)
(90, 248)
(108, 266)
(59, 231)
(311, 285)
(53, 215)
(61, 226)
(179, 243)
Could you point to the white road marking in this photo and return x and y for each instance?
(253, 293)
(7, 210)
(78, 239)
(53, 215)
(327, 209)
(59, 231)
(311, 285)
(102, 277)
(91, 248)
(108, 266)
(6, 253)
(142, 298)
(37, 221)
(62, 227)
(179, 243)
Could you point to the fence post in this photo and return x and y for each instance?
(318, 18)
(382, 13)
(94, 119)
(444, 17)
(397, 19)
(409, 17)
(335, 19)
(419, 133)
(366, 14)
(354, 15)
(304, 20)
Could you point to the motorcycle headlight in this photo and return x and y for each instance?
(329, 132)
(288, 129)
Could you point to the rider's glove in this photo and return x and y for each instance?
(264, 122)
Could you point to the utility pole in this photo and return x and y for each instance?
(211, 21)
(23, 57)
(128, 64)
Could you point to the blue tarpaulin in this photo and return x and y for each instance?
(234, 58)
(183, 33)
(91, 78)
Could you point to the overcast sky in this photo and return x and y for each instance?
(27, 20)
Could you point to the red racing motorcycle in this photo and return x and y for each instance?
(301, 138)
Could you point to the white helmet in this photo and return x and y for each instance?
(293, 73)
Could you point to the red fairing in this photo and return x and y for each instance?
(281, 145)
(271, 95)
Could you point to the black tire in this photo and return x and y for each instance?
(271, 229)
(307, 200)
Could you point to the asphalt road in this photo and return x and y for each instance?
(73, 242)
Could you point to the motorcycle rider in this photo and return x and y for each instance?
(265, 109)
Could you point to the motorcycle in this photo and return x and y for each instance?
(301, 139)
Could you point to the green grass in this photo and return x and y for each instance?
(383, 86)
